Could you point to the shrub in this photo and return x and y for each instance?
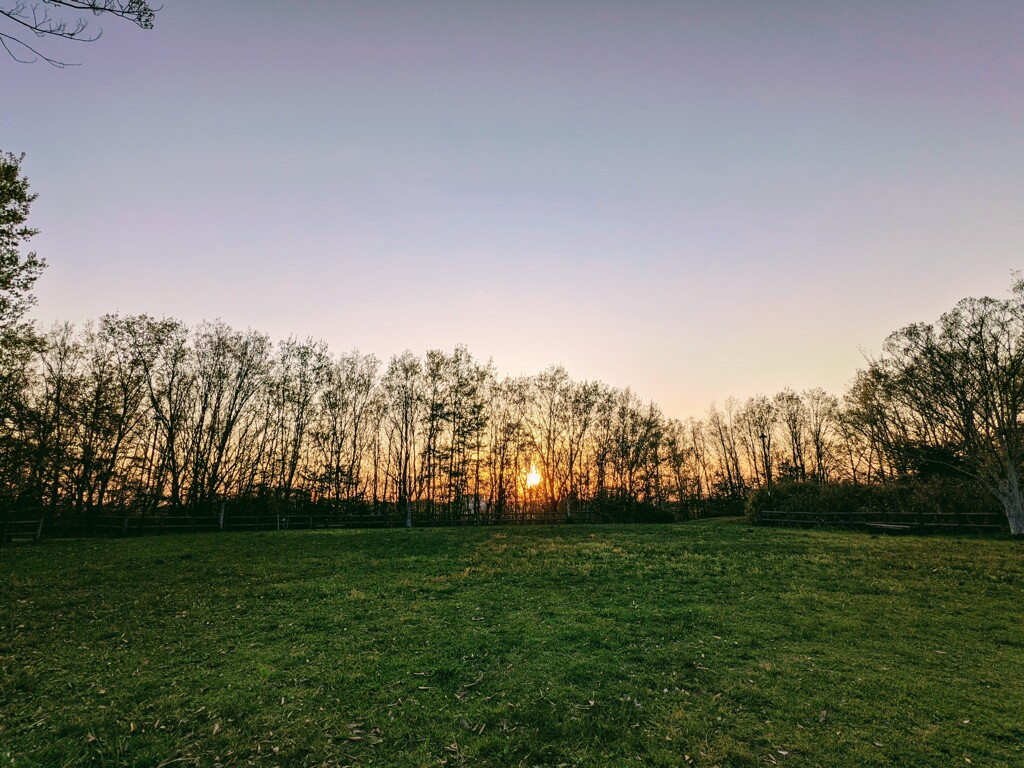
(917, 496)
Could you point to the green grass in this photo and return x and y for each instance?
(704, 644)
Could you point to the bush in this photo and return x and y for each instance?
(699, 509)
(918, 496)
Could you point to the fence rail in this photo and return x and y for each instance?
(37, 523)
(21, 529)
(978, 522)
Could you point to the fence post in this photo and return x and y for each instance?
(222, 516)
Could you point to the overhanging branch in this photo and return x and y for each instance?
(38, 20)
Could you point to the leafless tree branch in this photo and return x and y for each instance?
(58, 19)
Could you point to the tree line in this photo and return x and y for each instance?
(143, 415)
(139, 413)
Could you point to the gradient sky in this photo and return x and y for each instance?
(696, 199)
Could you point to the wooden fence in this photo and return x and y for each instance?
(36, 524)
(21, 528)
(894, 522)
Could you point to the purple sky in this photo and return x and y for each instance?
(692, 199)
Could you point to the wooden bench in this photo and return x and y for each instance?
(23, 530)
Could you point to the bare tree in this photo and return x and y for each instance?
(822, 420)
(508, 441)
(859, 452)
(345, 426)
(552, 390)
(756, 425)
(721, 425)
(54, 407)
(110, 419)
(793, 415)
(465, 419)
(230, 368)
(403, 393)
(583, 402)
(161, 349)
(635, 451)
(294, 385)
(435, 400)
(963, 380)
(696, 432)
(873, 411)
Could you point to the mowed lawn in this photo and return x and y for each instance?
(698, 644)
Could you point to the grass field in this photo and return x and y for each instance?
(699, 644)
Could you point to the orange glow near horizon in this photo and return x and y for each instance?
(532, 477)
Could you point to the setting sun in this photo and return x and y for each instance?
(532, 477)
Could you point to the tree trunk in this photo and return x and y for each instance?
(1013, 503)
(1008, 487)
(1015, 515)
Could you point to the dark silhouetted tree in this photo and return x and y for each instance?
(959, 385)
(19, 271)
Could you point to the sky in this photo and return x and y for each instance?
(693, 199)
